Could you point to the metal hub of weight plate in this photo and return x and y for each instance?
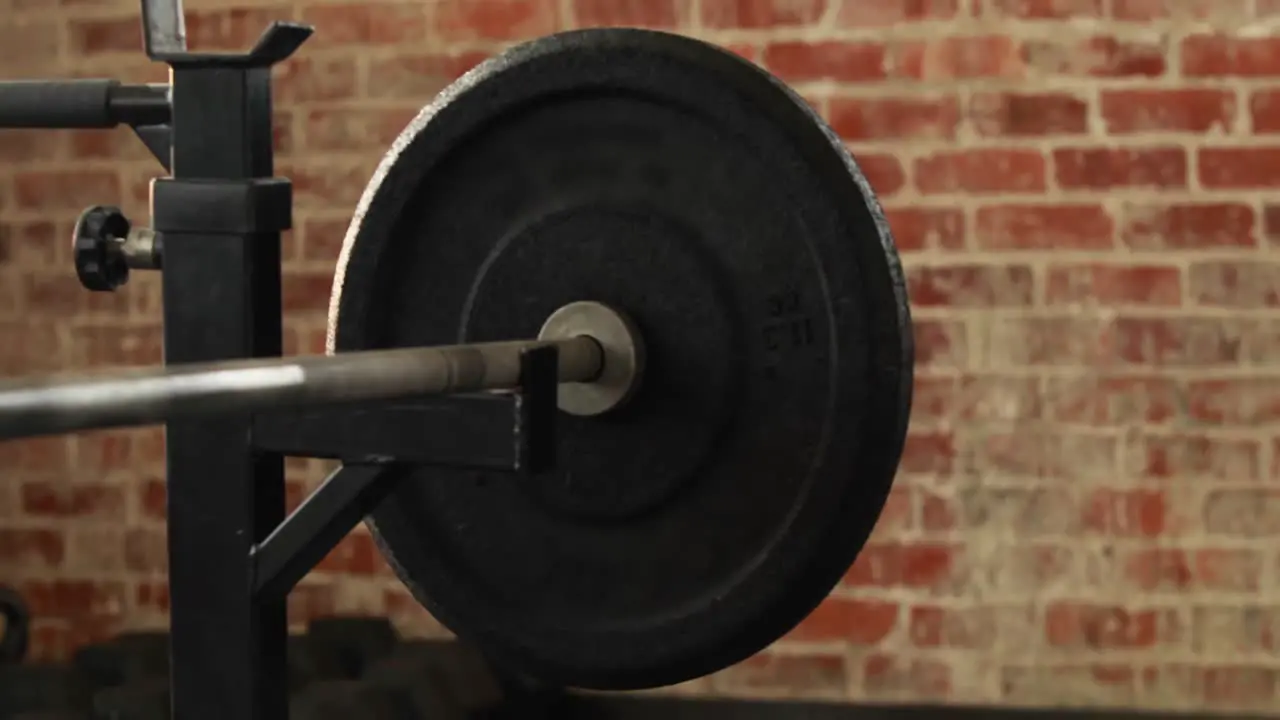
(665, 177)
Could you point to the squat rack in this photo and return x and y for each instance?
(217, 219)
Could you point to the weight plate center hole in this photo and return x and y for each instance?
(621, 356)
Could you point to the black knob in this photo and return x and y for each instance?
(98, 240)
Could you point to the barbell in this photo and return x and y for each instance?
(734, 354)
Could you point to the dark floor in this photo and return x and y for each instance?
(644, 708)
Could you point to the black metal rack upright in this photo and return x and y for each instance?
(217, 223)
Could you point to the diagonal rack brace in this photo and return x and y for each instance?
(346, 496)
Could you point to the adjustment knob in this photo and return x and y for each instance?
(98, 241)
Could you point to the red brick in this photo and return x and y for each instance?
(923, 228)
(1176, 569)
(897, 677)
(970, 285)
(74, 598)
(981, 171)
(153, 596)
(417, 77)
(148, 448)
(1201, 457)
(1189, 226)
(1044, 227)
(1179, 9)
(146, 551)
(827, 60)
(41, 351)
(896, 515)
(1114, 401)
(929, 565)
(884, 173)
(1245, 402)
(1104, 168)
(856, 621)
(1238, 168)
(104, 35)
(645, 13)
(104, 451)
(937, 513)
(1192, 110)
(32, 245)
(115, 346)
(1242, 512)
(106, 145)
(237, 28)
(64, 190)
(400, 603)
(1175, 342)
(1234, 686)
(1045, 9)
(152, 498)
(1101, 56)
(322, 238)
(926, 565)
(859, 15)
(24, 47)
(746, 50)
(42, 454)
(1236, 284)
(1264, 111)
(356, 554)
(1105, 682)
(307, 291)
(326, 186)
(1222, 56)
(464, 20)
(25, 146)
(1029, 114)
(933, 626)
(29, 548)
(862, 119)
(1115, 284)
(960, 58)
(311, 600)
(1045, 453)
(347, 129)
(64, 499)
(367, 23)
(760, 14)
(929, 453)
(1271, 222)
(312, 79)
(282, 136)
(1215, 686)
(986, 396)
(940, 343)
(53, 295)
(1070, 624)
(1126, 513)
(808, 674)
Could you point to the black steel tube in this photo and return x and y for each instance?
(140, 397)
(141, 105)
(60, 104)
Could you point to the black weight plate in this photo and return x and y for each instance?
(692, 190)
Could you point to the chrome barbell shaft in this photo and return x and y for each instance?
(63, 404)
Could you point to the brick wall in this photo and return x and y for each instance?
(1081, 191)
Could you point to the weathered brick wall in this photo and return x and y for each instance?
(1081, 189)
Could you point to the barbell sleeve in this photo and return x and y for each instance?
(63, 404)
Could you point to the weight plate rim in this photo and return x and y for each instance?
(896, 342)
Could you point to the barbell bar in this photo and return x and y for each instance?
(598, 364)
